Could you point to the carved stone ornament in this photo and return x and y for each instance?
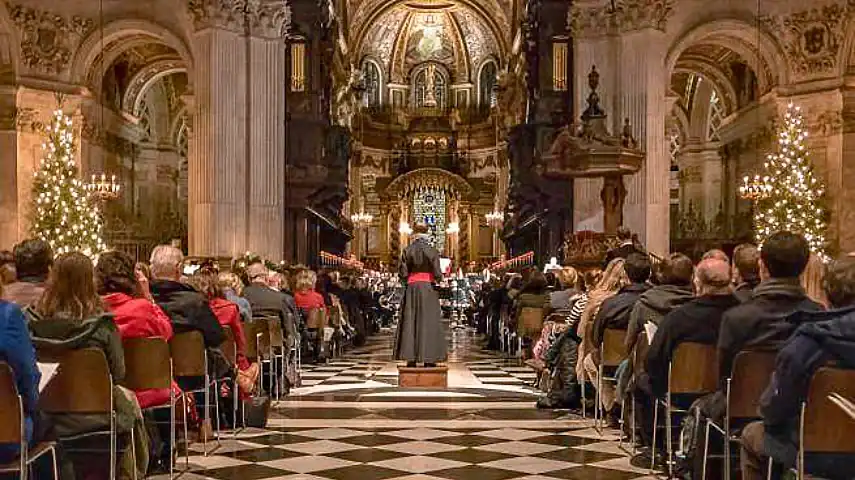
(811, 38)
(47, 39)
(270, 19)
(226, 14)
(626, 16)
(826, 123)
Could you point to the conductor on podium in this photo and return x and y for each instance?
(420, 337)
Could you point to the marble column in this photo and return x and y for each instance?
(266, 112)
(217, 156)
(628, 47)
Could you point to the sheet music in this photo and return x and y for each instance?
(650, 328)
(48, 372)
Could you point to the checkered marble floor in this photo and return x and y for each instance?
(350, 420)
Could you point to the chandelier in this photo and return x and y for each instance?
(104, 188)
(495, 218)
(361, 219)
(755, 188)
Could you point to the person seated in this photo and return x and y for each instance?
(822, 337)
(16, 349)
(314, 309)
(745, 270)
(565, 296)
(70, 316)
(264, 301)
(126, 295)
(232, 288)
(533, 295)
(352, 306)
(187, 308)
(33, 259)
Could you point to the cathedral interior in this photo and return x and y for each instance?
(291, 128)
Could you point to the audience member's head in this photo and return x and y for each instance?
(811, 280)
(166, 263)
(624, 234)
(551, 279)
(70, 293)
(614, 278)
(637, 267)
(784, 255)
(115, 273)
(536, 283)
(839, 282)
(676, 269)
(206, 282)
(230, 281)
(568, 277)
(274, 281)
(33, 259)
(515, 282)
(257, 273)
(712, 277)
(746, 264)
(143, 269)
(7, 267)
(345, 282)
(305, 281)
(591, 279)
(282, 281)
(716, 253)
(420, 228)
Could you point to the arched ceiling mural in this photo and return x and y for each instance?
(406, 34)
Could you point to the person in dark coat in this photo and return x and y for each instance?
(746, 270)
(33, 260)
(420, 337)
(625, 249)
(267, 302)
(616, 311)
(350, 303)
(698, 321)
(821, 338)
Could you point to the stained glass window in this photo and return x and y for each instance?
(439, 89)
(429, 206)
(716, 117)
(487, 84)
(373, 88)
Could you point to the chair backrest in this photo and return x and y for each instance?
(750, 377)
(530, 320)
(229, 346)
(147, 363)
(316, 318)
(82, 384)
(252, 330)
(614, 347)
(827, 428)
(10, 406)
(693, 369)
(188, 354)
(277, 338)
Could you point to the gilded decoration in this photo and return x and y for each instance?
(47, 39)
(811, 38)
(425, 178)
(626, 16)
(265, 18)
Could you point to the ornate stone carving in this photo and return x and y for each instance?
(47, 39)
(626, 16)
(21, 119)
(811, 38)
(227, 14)
(825, 123)
(270, 19)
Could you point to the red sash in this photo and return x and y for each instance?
(419, 277)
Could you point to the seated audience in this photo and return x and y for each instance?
(352, 306)
(267, 302)
(563, 298)
(7, 268)
(812, 280)
(532, 296)
(16, 349)
(125, 294)
(314, 310)
(33, 259)
(70, 316)
(822, 337)
(745, 270)
(233, 290)
(187, 308)
(612, 281)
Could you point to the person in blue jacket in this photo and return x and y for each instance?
(16, 349)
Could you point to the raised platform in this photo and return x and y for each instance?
(423, 377)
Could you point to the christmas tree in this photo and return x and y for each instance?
(62, 212)
(789, 196)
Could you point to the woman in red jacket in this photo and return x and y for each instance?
(314, 310)
(126, 295)
(228, 314)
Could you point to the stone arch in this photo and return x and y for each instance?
(760, 50)
(87, 64)
(147, 77)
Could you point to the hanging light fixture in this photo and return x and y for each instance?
(361, 219)
(495, 218)
(405, 228)
(453, 228)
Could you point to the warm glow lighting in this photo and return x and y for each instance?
(559, 66)
(361, 219)
(495, 218)
(453, 227)
(104, 188)
(405, 228)
(298, 67)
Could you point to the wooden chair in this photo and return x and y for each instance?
(278, 352)
(148, 366)
(82, 385)
(751, 374)
(612, 352)
(824, 428)
(258, 347)
(229, 349)
(190, 359)
(693, 370)
(13, 428)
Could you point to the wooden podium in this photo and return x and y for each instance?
(423, 377)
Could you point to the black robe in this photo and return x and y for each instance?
(420, 336)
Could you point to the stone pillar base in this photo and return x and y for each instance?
(423, 377)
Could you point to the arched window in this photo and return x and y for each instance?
(716, 117)
(373, 85)
(487, 84)
(439, 89)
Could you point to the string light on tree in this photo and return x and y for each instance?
(789, 196)
(62, 212)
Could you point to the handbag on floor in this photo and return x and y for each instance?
(256, 411)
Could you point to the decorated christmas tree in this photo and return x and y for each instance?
(789, 196)
(63, 214)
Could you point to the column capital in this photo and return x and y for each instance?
(626, 16)
(263, 18)
(268, 18)
(222, 14)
